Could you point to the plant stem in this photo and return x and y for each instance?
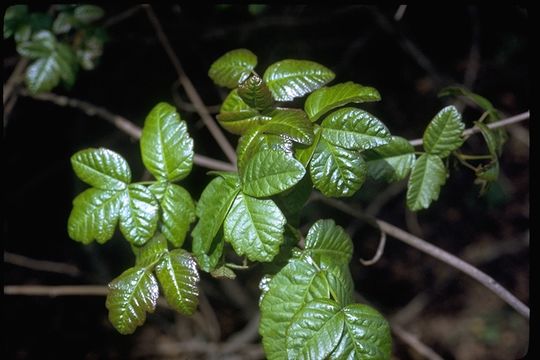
(433, 251)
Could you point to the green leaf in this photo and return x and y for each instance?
(315, 330)
(325, 238)
(223, 272)
(177, 273)
(166, 147)
(40, 21)
(481, 101)
(289, 290)
(23, 33)
(88, 13)
(94, 215)
(131, 295)
(254, 141)
(234, 103)
(241, 121)
(254, 227)
(34, 50)
(13, 17)
(270, 172)
(335, 171)
(391, 162)
(493, 141)
(212, 208)
(354, 129)
(42, 75)
(63, 23)
(292, 201)
(305, 153)
(325, 99)
(339, 279)
(366, 335)
(177, 213)
(101, 168)
(139, 215)
(150, 253)
(427, 177)
(67, 64)
(255, 93)
(290, 122)
(443, 133)
(288, 79)
(232, 68)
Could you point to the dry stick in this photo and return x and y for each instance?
(434, 251)
(121, 123)
(191, 92)
(378, 254)
(496, 124)
(122, 16)
(40, 265)
(416, 344)
(14, 79)
(67, 290)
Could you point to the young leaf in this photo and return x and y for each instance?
(303, 153)
(177, 273)
(325, 99)
(391, 162)
(139, 215)
(289, 290)
(354, 129)
(427, 177)
(131, 295)
(254, 141)
(481, 101)
(288, 79)
(88, 13)
(254, 227)
(443, 134)
(366, 335)
(166, 147)
(290, 122)
(491, 139)
(177, 213)
(336, 171)
(150, 253)
(315, 330)
(212, 208)
(270, 172)
(255, 93)
(94, 215)
(325, 238)
(232, 68)
(102, 168)
(239, 122)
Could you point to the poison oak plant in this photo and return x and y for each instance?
(306, 303)
(57, 45)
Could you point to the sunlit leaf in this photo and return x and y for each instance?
(443, 133)
(102, 168)
(233, 68)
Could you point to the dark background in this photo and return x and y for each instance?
(450, 312)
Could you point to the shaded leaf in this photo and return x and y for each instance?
(288, 79)
(293, 200)
(390, 162)
(254, 227)
(481, 101)
(427, 178)
(325, 238)
(292, 123)
(13, 17)
(150, 253)
(240, 122)
(268, 173)
(42, 75)
(354, 129)
(305, 153)
(336, 171)
(94, 215)
(443, 133)
(177, 213)
(255, 93)
(63, 23)
(166, 147)
(139, 215)
(178, 275)
(232, 68)
(101, 168)
(328, 98)
(131, 295)
(223, 272)
(88, 13)
(67, 64)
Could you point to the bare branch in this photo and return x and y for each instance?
(496, 124)
(121, 123)
(41, 265)
(415, 343)
(113, 20)
(191, 92)
(433, 251)
(53, 291)
(400, 12)
(378, 254)
(14, 79)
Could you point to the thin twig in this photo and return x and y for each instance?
(41, 265)
(121, 123)
(52, 291)
(191, 92)
(15, 78)
(415, 343)
(496, 124)
(113, 20)
(378, 254)
(400, 12)
(433, 251)
(186, 106)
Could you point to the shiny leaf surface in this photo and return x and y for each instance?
(101, 168)
(166, 147)
(150, 253)
(254, 227)
(427, 177)
(391, 162)
(139, 215)
(327, 239)
(255, 93)
(443, 133)
(178, 275)
(232, 68)
(291, 122)
(177, 214)
(328, 98)
(131, 295)
(288, 79)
